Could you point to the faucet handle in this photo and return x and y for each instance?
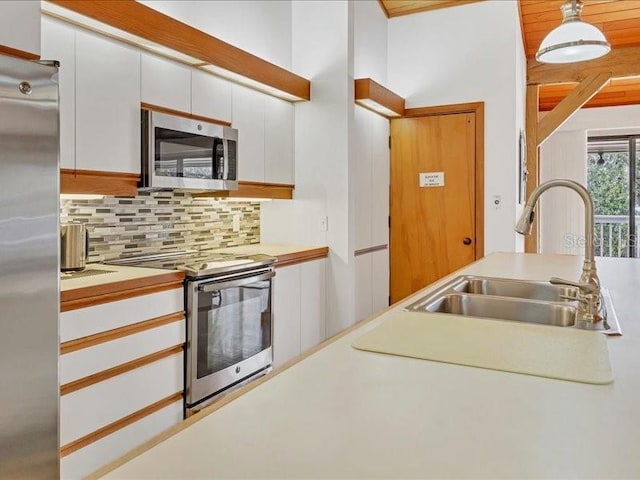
(585, 288)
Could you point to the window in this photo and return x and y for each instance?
(612, 177)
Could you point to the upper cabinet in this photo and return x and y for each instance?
(20, 28)
(59, 43)
(165, 83)
(210, 96)
(265, 136)
(107, 104)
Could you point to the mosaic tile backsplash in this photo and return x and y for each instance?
(161, 221)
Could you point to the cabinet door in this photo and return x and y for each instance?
(248, 118)
(312, 303)
(165, 83)
(59, 43)
(363, 285)
(107, 104)
(379, 280)
(379, 180)
(210, 96)
(278, 141)
(286, 314)
(20, 25)
(361, 178)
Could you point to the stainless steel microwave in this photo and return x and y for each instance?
(182, 153)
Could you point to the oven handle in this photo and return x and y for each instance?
(239, 282)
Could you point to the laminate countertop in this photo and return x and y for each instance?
(345, 413)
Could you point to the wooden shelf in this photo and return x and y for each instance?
(373, 96)
(206, 51)
(99, 182)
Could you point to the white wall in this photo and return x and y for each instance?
(462, 54)
(562, 211)
(369, 41)
(322, 52)
(260, 27)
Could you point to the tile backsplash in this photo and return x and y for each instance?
(161, 221)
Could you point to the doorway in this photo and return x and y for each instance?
(612, 177)
(437, 194)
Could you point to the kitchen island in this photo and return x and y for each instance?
(345, 413)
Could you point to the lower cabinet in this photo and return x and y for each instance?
(121, 376)
(372, 283)
(298, 309)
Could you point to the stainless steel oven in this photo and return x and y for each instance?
(229, 330)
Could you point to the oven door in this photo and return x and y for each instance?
(229, 331)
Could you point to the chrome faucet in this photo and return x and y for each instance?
(591, 310)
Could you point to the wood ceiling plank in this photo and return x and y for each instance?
(621, 91)
(396, 8)
(592, 12)
(620, 62)
(547, 26)
(580, 95)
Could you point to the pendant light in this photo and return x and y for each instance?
(573, 40)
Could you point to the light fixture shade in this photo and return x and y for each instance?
(573, 40)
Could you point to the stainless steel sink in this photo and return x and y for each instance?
(510, 299)
(503, 308)
(516, 288)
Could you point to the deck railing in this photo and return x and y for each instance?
(612, 235)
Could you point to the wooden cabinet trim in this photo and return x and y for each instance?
(99, 182)
(14, 52)
(120, 332)
(303, 256)
(119, 369)
(149, 24)
(368, 90)
(118, 425)
(110, 292)
(178, 113)
(278, 191)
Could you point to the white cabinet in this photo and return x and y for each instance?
(379, 180)
(298, 309)
(278, 141)
(121, 376)
(59, 43)
(20, 25)
(210, 96)
(372, 283)
(107, 104)
(165, 83)
(286, 314)
(265, 136)
(248, 117)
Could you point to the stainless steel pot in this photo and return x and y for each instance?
(74, 247)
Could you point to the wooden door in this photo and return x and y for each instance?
(432, 227)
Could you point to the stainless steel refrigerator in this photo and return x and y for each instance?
(29, 269)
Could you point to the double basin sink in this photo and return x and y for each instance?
(511, 299)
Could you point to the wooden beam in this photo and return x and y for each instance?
(144, 22)
(620, 62)
(533, 176)
(570, 104)
(372, 95)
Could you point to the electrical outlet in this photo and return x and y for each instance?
(323, 226)
(236, 222)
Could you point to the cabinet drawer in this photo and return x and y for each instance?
(84, 411)
(82, 462)
(97, 358)
(107, 316)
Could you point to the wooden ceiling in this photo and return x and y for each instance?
(396, 8)
(619, 20)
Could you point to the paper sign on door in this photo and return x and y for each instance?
(432, 179)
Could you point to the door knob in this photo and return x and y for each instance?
(467, 241)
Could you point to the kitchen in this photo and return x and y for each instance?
(325, 181)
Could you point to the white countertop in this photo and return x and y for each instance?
(344, 413)
(117, 273)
